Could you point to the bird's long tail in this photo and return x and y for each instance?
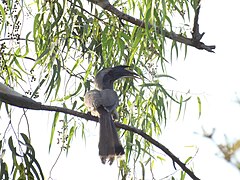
(109, 143)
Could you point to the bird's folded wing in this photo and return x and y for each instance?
(93, 99)
(107, 98)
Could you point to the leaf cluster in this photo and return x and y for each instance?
(25, 165)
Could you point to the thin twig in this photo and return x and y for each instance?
(21, 39)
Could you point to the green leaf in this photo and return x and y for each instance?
(88, 71)
(38, 87)
(19, 66)
(188, 159)
(58, 78)
(4, 170)
(58, 15)
(18, 52)
(33, 161)
(3, 18)
(11, 146)
(70, 136)
(165, 75)
(180, 106)
(72, 94)
(199, 107)
(183, 175)
(74, 105)
(143, 170)
(44, 53)
(139, 148)
(25, 138)
(56, 116)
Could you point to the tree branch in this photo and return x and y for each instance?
(160, 146)
(171, 35)
(25, 102)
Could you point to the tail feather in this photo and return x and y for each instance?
(117, 144)
(109, 143)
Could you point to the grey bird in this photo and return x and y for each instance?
(102, 102)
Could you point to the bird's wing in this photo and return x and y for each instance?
(107, 98)
(92, 99)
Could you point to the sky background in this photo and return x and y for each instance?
(214, 77)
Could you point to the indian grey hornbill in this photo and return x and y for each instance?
(102, 102)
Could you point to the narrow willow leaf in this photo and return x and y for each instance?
(161, 87)
(58, 16)
(88, 71)
(39, 168)
(36, 25)
(58, 77)
(4, 170)
(129, 142)
(125, 36)
(185, 51)
(143, 170)
(180, 106)
(74, 105)
(11, 146)
(14, 154)
(188, 10)
(3, 18)
(71, 95)
(19, 66)
(44, 53)
(21, 171)
(18, 51)
(148, 18)
(52, 82)
(121, 47)
(35, 92)
(70, 136)
(56, 116)
(25, 138)
(165, 75)
(169, 22)
(183, 175)
(199, 107)
(164, 12)
(139, 149)
(188, 159)
(30, 165)
(135, 44)
(33, 161)
(76, 64)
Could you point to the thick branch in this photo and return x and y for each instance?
(25, 102)
(171, 35)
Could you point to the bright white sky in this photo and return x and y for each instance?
(213, 77)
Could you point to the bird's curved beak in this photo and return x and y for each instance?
(122, 71)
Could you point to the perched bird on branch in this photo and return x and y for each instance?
(102, 102)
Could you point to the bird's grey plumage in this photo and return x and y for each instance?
(102, 102)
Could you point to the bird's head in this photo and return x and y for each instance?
(106, 77)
